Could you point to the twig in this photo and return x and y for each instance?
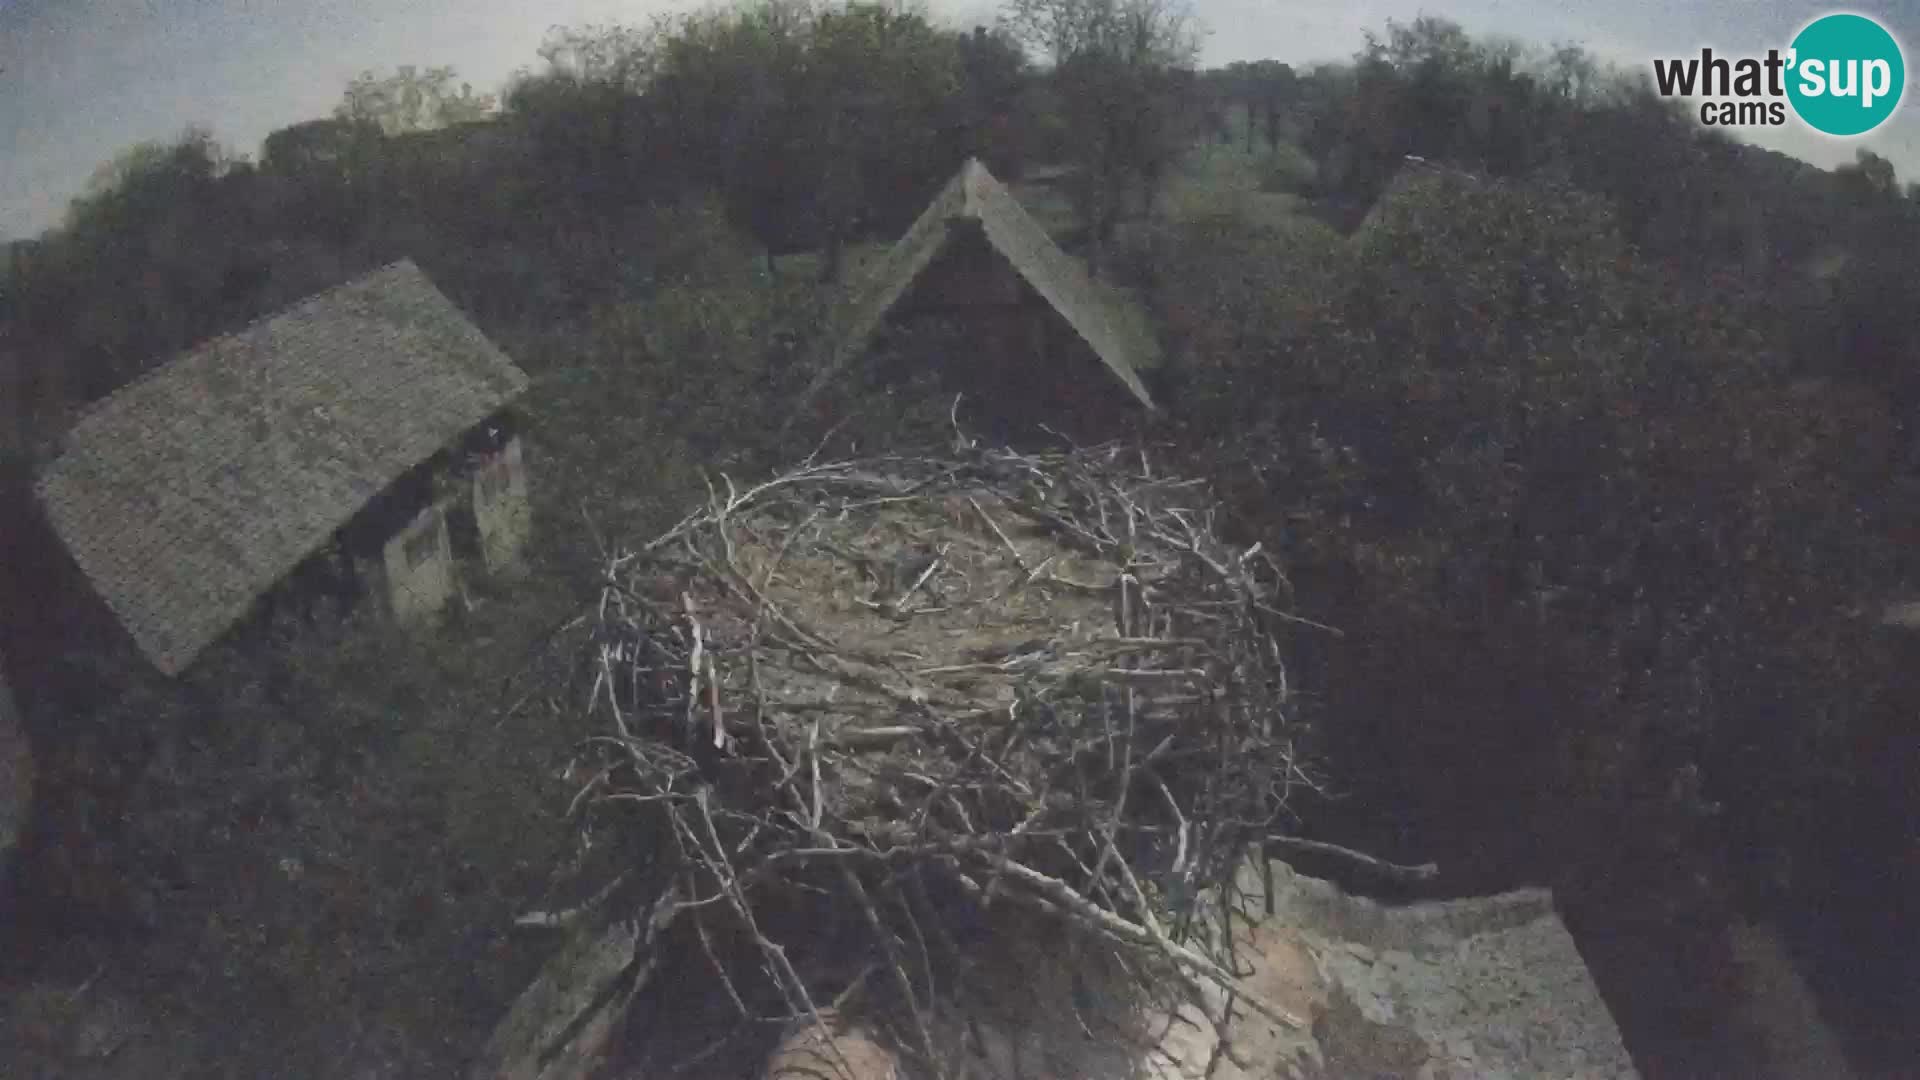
(713, 701)
(813, 758)
(720, 969)
(995, 526)
(1147, 675)
(777, 955)
(1060, 893)
(961, 440)
(599, 544)
(694, 658)
(1381, 867)
(874, 738)
(555, 920)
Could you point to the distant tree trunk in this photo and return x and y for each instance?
(830, 263)
(1096, 227)
(840, 189)
(1109, 201)
(1150, 180)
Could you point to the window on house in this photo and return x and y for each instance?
(423, 546)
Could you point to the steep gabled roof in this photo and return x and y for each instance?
(190, 492)
(1102, 317)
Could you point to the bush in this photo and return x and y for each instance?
(312, 834)
(1249, 315)
(1590, 555)
(1288, 170)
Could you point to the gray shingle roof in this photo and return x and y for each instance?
(1100, 315)
(191, 491)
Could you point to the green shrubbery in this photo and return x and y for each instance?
(317, 834)
(1289, 170)
(1590, 553)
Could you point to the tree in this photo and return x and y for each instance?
(145, 256)
(149, 172)
(811, 123)
(1142, 33)
(878, 84)
(1870, 177)
(312, 147)
(1428, 39)
(593, 131)
(1572, 74)
(326, 170)
(1276, 89)
(726, 98)
(1124, 73)
(412, 100)
(615, 54)
(994, 78)
(1262, 88)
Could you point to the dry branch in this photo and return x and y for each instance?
(1373, 864)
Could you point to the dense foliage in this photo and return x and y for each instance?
(1591, 438)
(813, 126)
(1588, 429)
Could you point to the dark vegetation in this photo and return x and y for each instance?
(1591, 438)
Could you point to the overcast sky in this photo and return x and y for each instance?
(83, 79)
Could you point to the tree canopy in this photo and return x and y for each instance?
(411, 100)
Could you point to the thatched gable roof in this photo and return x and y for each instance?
(1102, 317)
(190, 492)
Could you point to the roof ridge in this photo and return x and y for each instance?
(98, 404)
(1097, 313)
(973, 179)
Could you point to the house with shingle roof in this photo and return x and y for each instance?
(1045, 330)
(357, 438)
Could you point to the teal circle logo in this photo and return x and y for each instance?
(1845, 74)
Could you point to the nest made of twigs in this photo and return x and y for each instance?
(856, 713)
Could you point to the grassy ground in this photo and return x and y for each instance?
(1211, 180)
(1046, 201)
(326, 871)
(1222, 179)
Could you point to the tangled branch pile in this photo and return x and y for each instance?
(868, 711)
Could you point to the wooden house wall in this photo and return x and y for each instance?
(1020, 360)
(366, 560)
(416, 566)
(498, 496)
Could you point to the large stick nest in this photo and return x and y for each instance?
(867, 715)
